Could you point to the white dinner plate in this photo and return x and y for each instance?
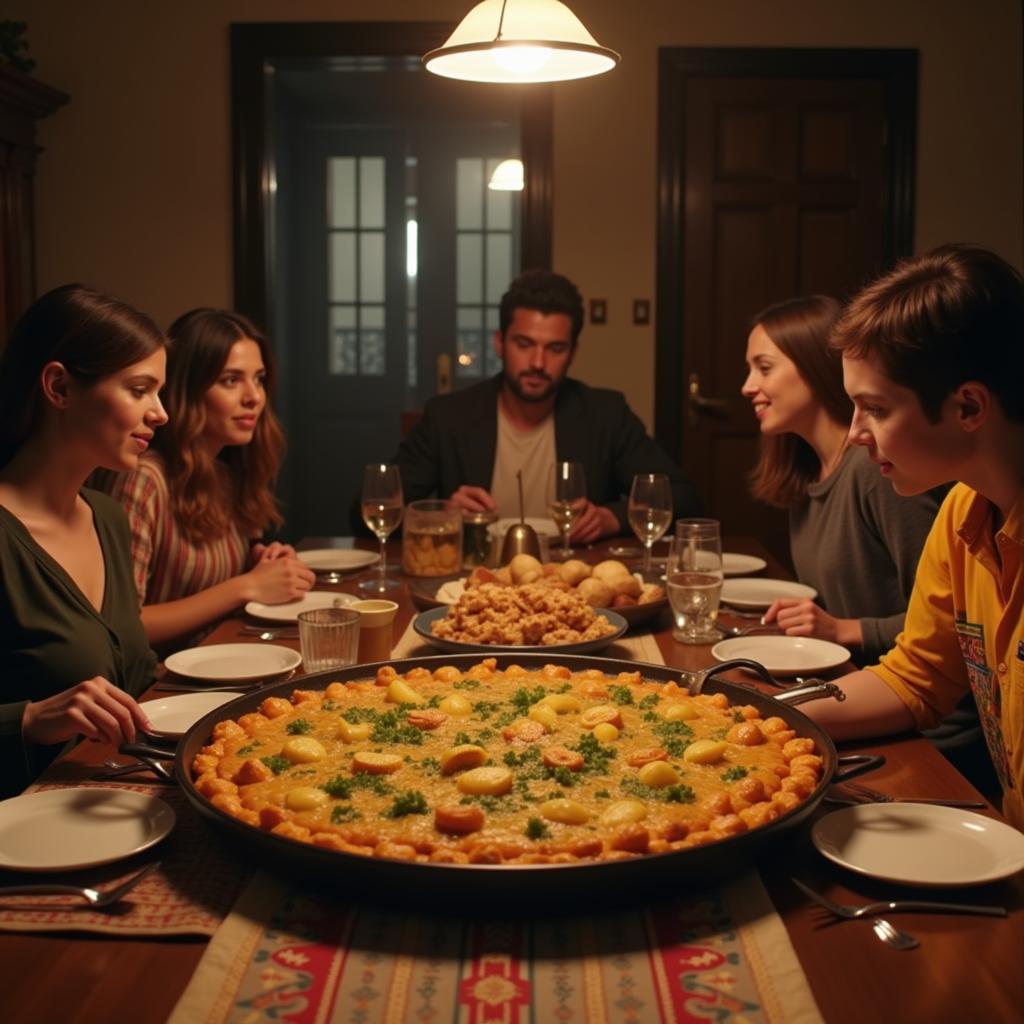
(338, 559)
(236, 663)
(70, 829)
(920, 844)
(174, 716)
(784, 655)
(289, 611)
(734, 564)
(752, 592)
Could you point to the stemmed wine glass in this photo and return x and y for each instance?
(567, 494)
(382, 512)
(650, 510)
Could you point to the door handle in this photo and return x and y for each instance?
(701, 405)
(444, 373)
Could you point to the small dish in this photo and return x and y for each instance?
(734, 564)
(338, 559)
(753, 592)
(920, 844)
(82, 827)
(421, 624)
(174, 716)
(235, 663)
(289, 611)
(784, 655)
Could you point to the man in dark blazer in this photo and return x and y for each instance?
(468, 444)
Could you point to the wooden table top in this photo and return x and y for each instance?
(967, 968)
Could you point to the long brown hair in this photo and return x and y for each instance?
(201, 341)
(799, 328)
(91, 334)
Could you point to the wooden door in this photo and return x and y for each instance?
(783, 187)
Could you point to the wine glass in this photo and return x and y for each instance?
(694, 578)
(567, 495)
(650, 510)
(382, 512)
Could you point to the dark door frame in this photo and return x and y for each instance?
(676, 65)
(254, 48)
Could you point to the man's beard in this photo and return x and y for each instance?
(515, 386)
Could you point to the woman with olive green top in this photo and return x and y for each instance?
(80, 377)
(52, 636)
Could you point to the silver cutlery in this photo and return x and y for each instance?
(892, 936)
(286, 632)
(94, 897)
(757, 627)
(852, 912)
(115, 769)
(172, 687)
(850, 795)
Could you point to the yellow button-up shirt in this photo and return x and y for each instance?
(965, 627)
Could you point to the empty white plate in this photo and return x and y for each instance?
(69, 829)
(236, 663)
(920, 844)
(784, 655)
(338, 559)
(174, 716)
(289, 611)
(744, 592)
(734, 564)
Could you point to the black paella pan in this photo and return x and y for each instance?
(488, 885)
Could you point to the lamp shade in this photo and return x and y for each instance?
(507, 176)
(520, 41)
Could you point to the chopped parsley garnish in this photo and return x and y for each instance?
(595, 754)
(675, 736)
(679, 793)
(621, 694)
(649, 701)
(563, 776)
(602, 794)
(738, 718)
(430, 764)
(356, 715)
(342, 787)
(299, 727)
(412, 801)
(390, 728)
(461, 738)
(466, 684)
(490, 803)
(735, 773)
(486, 708)
(523, 699)
(330, 705)
(536, 829)
(248, 748)
(342, 813)
(276, 763)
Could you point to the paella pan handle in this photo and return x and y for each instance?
(810, 689)
(694, 681)
(849, 766)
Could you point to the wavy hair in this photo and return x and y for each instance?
(547, 293)
(91, 334)
(201, 341)
(800, 328)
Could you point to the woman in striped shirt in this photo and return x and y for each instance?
(199, 501)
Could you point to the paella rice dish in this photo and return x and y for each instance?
(512, 766)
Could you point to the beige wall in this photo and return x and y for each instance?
(133, 189)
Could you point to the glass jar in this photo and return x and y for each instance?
(432, 538)
(477, 540)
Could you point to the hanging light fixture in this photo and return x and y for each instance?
(507, 176)
(520, 41)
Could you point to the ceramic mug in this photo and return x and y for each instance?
(376, 621)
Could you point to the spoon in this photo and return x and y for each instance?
(94, 897)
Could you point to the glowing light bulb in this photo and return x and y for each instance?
(521, 60)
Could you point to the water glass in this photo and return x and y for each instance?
(694, 580)
(328, 638)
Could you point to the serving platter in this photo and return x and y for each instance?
(289, 610)
(514, 887)
(235, 663)
(83, 827)
(920, 844)
(422, 623)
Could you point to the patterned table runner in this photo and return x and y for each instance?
(720, 956)
(190, 894)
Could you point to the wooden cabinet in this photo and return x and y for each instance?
(23, 101)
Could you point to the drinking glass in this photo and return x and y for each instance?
(694, 578)
(382, 512)
(650, 510)
(328, 638)
(567, 494)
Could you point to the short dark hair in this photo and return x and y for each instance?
(93, 335)
(546, 292)
(935, 321)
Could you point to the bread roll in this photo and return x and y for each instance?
(574, 571)
(609, 570)
(628, 585)
(595, 592)
(521, 565)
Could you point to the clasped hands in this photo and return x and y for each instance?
(802, 617)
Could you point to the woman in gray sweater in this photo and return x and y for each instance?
(852, 537)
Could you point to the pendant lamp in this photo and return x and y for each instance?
(507, 176)
(520, 41)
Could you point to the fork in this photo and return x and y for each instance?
(892, 936)
(113, 769)
(757, 627)
(859, 794)
(94, 897)
(851, 912)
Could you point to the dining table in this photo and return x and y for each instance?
(965, 968)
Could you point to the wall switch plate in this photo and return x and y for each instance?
(641, 311)
(599, 311)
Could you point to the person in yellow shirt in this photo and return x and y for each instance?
(933, 359)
